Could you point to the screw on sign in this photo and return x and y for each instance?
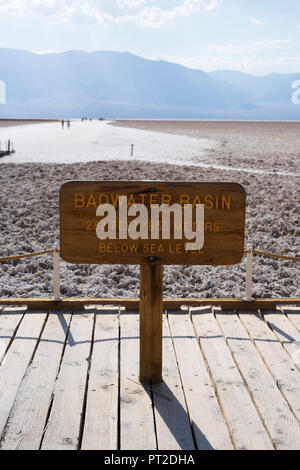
(152, 224)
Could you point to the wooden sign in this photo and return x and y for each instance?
(152, 222)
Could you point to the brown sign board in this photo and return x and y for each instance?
(120, 222)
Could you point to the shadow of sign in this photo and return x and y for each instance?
(176, 419)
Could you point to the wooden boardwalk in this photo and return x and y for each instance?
(70, 381)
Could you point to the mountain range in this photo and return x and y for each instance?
(109, 84)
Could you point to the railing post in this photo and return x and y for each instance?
(56, 274)
(249, 271)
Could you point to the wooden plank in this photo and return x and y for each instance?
(293, 313)
(133, 303)
(208, 423)
(151, 307)
(13, 368)
(101, 418)
(282, 425)
(29, 413)
(222, 220)
(241, 414)
(9, 322)
(269, 338)
(64, 424)
(284, 329)
(137, 430)
(173, 427)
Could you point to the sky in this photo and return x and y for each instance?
(253, 36)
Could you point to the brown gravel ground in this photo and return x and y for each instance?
(29, 221)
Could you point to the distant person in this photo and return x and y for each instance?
(69, 124)
(63, 123)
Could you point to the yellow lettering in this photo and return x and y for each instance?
(115, 199)
(102, 247)
(152, 248)
(91, 201)
(178, 248)
(103, 197)
(152, 199)
(166, 199)
(209, 201)
(196, 200)
(184, 199)
(208, 227)
(131, 201)
(160, 249)
(226, 202)
(79, 200)
(142, 196)
(133, 248)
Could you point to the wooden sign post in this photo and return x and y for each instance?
(152, 224)
(151, 311)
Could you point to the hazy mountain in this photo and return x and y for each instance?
(271, 91)
(113, 84)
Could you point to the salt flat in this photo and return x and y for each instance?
(87, 141)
